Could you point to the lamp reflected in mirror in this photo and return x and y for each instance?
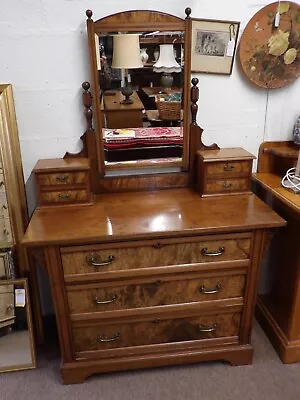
(16, 333)
(126, 55)
(166, 64)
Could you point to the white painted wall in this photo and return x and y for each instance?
(43, 48)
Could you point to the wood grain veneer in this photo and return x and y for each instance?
(140, 255)
(153, 292)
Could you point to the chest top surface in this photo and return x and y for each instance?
(165, 213)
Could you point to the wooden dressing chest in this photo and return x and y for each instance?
(153, 278)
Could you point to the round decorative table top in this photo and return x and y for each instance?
(269, 49)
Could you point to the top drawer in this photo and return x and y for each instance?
(151, 253)
(60, 179)
(228, 169)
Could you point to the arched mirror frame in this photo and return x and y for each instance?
(132, 21)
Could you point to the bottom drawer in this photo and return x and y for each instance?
(110, 335)
(64, 197)
(227, 185)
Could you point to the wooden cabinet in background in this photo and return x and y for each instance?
(278, 308)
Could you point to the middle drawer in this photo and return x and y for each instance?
(154, 291)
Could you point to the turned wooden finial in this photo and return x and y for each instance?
(87, 102)
(194, 99)
(89, 13)
(188, 11)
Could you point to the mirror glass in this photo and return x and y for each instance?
(16, 335)
(141, 95)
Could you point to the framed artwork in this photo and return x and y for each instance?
(213, 45)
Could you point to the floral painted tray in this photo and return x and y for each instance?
(269, 48)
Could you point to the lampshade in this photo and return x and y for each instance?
(166, 61)
(126, 51)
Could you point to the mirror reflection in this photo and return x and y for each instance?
(16, 336)
(141, 86)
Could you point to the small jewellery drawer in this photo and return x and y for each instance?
(133, 255)
(64, 178)
(228, 169)
(227, 185)
(102, 336)
(63, 197)
(152, 292)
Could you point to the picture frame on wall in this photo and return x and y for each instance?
(213, 45)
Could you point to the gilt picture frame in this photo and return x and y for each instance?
(213, 45)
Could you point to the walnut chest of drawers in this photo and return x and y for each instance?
(63, 182)
(224, 171)
(151, 279)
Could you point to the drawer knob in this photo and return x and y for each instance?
(206, 252)
(207, 329)
(217, 289)
(228, 167)
(158, 245)
(104, 339)
(62, 178)
(98, 262)
(64, 196)
(112, 300)
(227, 185)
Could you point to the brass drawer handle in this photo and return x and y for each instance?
(228, 167)
(202, 289)
(112, 300)
(158, 245)
(216, 253)
(97, 262)
(62, 178)
(64, 196)
(104, 339)
(206, 329)
(227, 185)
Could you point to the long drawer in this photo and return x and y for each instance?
(103, 335)
(151, 253)
(154, 291)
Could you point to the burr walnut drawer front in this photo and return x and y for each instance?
(151, 292)
(228, 169)
(61, 179)
(63, 197)
(103, 336)
(227, 185)
(148, 254)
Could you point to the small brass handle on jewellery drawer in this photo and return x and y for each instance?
(112, 300)
(227, 185)
(206, 329)
(228, 167)
(96, 262)
(219, 252)
(104, 339)
(217, 289)
(64, 196)
(62, 178)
